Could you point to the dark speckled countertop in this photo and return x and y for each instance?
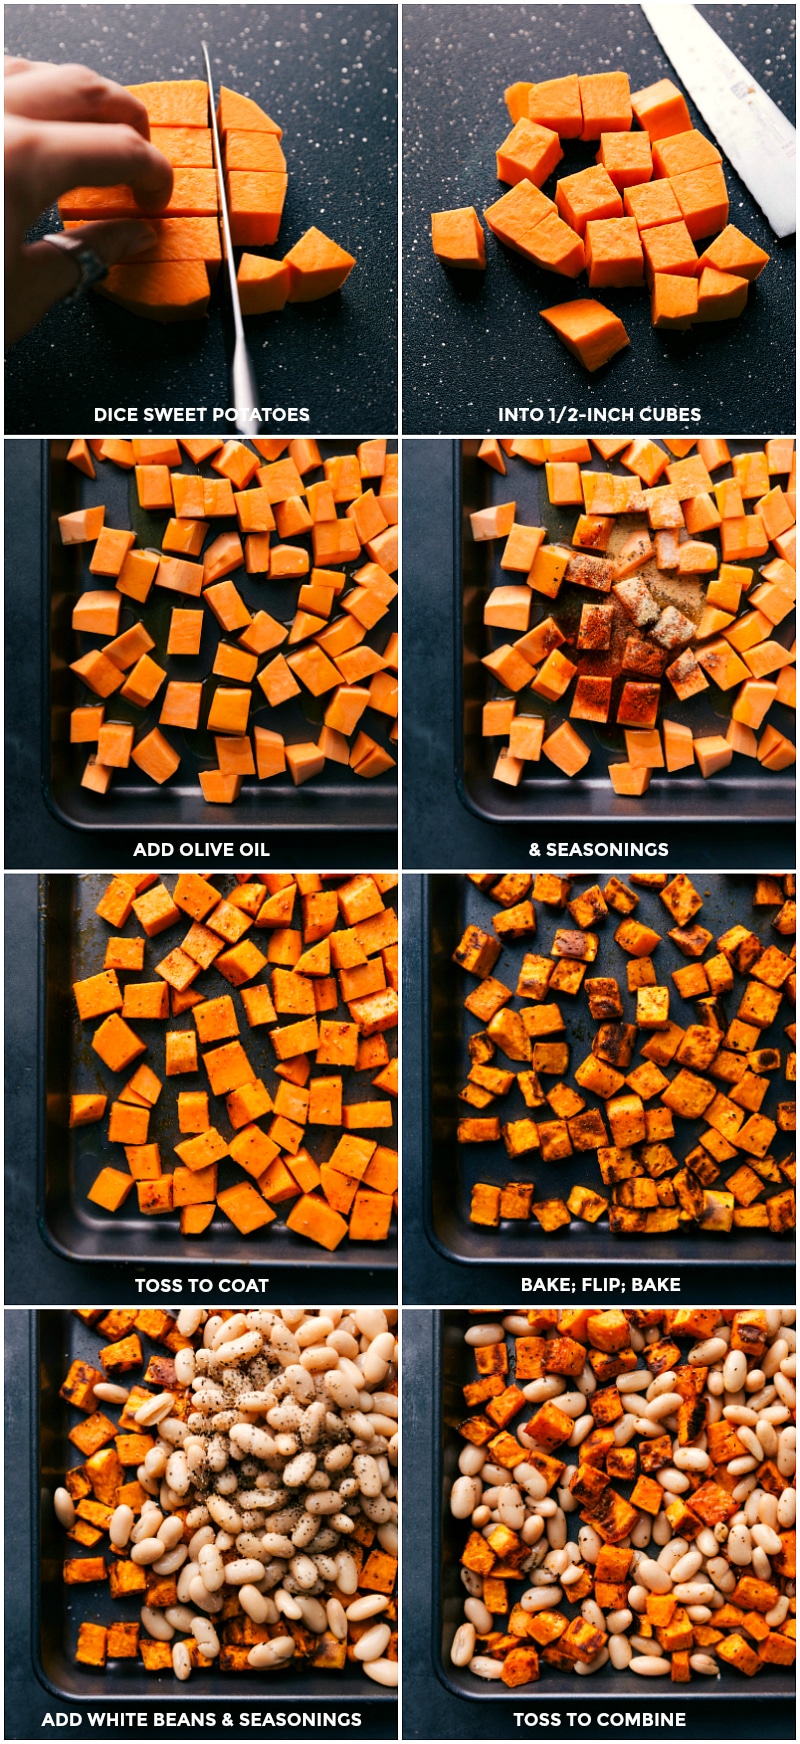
(327, 74)
(470, 348)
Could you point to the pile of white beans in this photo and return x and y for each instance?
(758, 1397)
(292, 1435)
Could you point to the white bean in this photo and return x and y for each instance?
(651, 1575)
(373, 1642)
(370, 1605)
(489, 1669)
(476, 1612)
(485, 1333)
(387, 1671)
(65, 1508)
(110, 1393)
(463, 1646)
(206, 1637)
(541, 1598)
(703, 1663)
(648, 1665)
(246, 1571)
(734, 1370)
(269, 1654)
(156, 1624)
(687, 1565)
(146, 1551)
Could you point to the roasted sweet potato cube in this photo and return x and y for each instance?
(582, 1641)
(156, 1655)
(550, 1427)
(515, 1199)
(609, 1331)
(123, 1641)
(92, 1644)
(521, 1666)
(125, 1354)
(124, 1579)
(477, 952)
(648, 1495)
(738, 1652)
(77, 1388)
(81, 1571)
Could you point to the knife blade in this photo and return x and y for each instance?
(243, 383)
(756, 138)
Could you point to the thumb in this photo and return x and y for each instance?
(42, 274)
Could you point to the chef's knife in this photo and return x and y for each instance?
(754, 135)
(243, 382)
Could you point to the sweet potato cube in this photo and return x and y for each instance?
(458, 240)
(606, 105)
(245, 1207)
(529, 153)
(661, 110)
(703, 199)
(613, 253)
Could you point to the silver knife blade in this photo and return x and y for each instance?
(243, 382)
(756, 138)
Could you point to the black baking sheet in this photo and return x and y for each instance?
(743, 792)
(474, 342)
(451, 1169)
(334, 799)
(454, 1366)
(328, 77)
(72, 940)
(58, 1337)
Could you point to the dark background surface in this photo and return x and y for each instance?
(34, 838)
(429, 1275)
(438, 831)
(430, 1710)
(328, 77)
(34, 1272)
(470, 347)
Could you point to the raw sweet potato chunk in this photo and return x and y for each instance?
(317, 267)
(590, 332)
(458, 240)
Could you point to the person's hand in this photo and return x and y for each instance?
(67, 127)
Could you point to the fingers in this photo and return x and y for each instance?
(42, 274)
(71, 93)
(13, 65)
(62, 155)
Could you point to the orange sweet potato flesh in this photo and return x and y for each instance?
(166, 291)
(79, 454)
(235, 112)
(318, 1221)
(458, 240)
(174, 102)
(156, 757)
(184, 147)
(179, 239)
(219, 789)
(194, 194)
(263, 284)
(317, 267)
(590, 332)
(255, 200)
